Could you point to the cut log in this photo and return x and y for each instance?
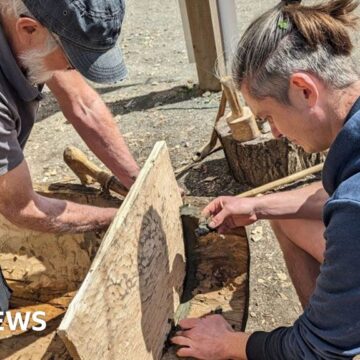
(264, 159)
(217, 268)
(133, 288)
(217, 276)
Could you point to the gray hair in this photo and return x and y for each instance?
(287, 39)
(13, 8)
(16, 8)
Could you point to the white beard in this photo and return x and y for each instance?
(33, 61)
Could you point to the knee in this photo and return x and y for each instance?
(278, 226)
(283, 230)
(286, 226)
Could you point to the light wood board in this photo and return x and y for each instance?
(187, 32)
(123, 307)
(217, 277)
(204, 22)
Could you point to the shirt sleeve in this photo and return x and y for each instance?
(329, 328)
(11, 154)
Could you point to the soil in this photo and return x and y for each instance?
(161, 101)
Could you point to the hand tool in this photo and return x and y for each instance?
(241, 120)
(89, 173)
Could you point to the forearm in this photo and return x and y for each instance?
(58, 216)
(106, 142)
(306, 203)
(91, 118)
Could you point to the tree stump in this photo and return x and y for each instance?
(265, 159)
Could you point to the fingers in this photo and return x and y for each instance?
(223, 229)
(181, 341)
(185, 333)
(214, 207)
(217, 220)
(186, 352)
(188, 323)
(210, 209)
(185, 343)
(219, 210)
(227, 225)
(213, 317)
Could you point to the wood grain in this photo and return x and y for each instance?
(264, 159)
(217, 268)
(207, 42)
(217, 272)
(218, 264)
(135, 282)
(42, 266)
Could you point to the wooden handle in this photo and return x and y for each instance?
(81, 165)
(89, 173)
(284, 181)
(232, 96)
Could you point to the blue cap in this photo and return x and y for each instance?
(89, 31)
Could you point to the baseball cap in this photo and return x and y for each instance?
(88, 31)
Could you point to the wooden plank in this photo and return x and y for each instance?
(133, 288)
(217, 269)
(229, 29)
(187, 32)
(207, 42)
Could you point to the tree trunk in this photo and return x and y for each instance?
(265, 159)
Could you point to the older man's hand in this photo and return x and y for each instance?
(210, 338)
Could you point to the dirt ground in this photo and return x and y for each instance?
(160, 101)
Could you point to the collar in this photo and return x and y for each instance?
(13, 73)
(354, 109)
(343, 159)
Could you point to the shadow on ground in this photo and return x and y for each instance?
(211, 179)
(49, 105)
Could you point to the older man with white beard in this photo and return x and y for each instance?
(54, 42)
(44, 41)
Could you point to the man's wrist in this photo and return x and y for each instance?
(236, 345)
(258, 207)
(128, 179)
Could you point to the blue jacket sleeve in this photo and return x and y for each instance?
(329, 328)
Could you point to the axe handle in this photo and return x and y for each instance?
(232, 96)
(281, 182)
(88, 172)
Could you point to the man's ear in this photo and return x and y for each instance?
(303, 90)
(29, 31)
